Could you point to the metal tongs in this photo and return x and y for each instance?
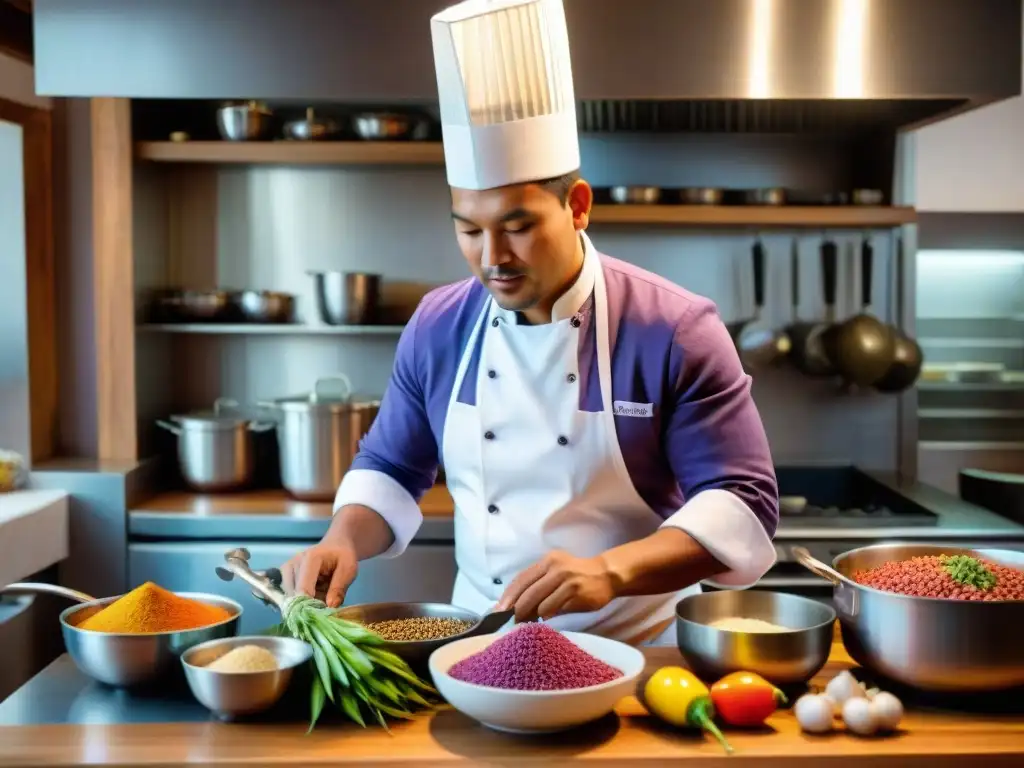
(266, 585)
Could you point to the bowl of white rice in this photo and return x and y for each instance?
(784, 638)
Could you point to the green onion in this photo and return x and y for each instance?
(969, 571)
(349, 666)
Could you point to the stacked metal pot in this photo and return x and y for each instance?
(317, 433)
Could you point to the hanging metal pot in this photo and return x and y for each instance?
(907, 357)
(216, 448)
(318, 435)
(861, 347)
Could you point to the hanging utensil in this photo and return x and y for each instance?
(808, 351)
(758, 343)
(861, 347)
(736, 327)
(907, 357)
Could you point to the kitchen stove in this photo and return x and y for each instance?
(830, 510)
(843, 497)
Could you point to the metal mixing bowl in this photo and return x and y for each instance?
(416, 652)
(124, 660)
(926, 643)
(244, 122)
(784, 658)
(347, 298)
(385, 126)
(235, 694)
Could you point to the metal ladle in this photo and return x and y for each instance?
(808, 352)
(758, 343)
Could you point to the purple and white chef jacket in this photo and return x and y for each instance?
(668, 347)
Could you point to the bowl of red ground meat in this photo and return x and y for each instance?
(935, 617)
(535, 679)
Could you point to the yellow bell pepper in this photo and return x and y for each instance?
(679, 698)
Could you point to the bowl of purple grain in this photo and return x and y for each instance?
(534, 679)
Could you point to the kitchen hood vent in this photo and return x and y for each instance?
(826, 117)
(643, 65)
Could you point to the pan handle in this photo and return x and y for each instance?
(815, 566)
(829, 266)
(867, 260)
(39, 588)
(794, 276)
(758, 254)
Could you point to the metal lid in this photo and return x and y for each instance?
(214, 419)
(330, 393)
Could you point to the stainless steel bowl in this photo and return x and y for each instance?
(347, 298)
(701, 196)
(244, 122)
(925, 643)
(123, 660)
(416, 652)
(266, 306)
(235, 694)
(635, 195)
(389, 126)
(310, 128)
(783, 658)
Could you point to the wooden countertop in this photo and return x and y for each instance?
(932, 739)
(436, 502)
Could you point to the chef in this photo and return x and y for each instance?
(596, 428)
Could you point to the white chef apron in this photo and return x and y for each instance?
(530, 472)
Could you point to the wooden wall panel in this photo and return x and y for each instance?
(113, 278)
(39, 272)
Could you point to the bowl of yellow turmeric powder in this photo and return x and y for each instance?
(138, 637)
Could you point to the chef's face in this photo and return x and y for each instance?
(522, 241)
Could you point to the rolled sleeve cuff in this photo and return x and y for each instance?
(385, 496)
(725, 526)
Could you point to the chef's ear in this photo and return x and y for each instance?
(580, 199)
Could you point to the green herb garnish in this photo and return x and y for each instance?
(968, 571)
(350, 666)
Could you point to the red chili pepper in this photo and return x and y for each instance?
(745, 700)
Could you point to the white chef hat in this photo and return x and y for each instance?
(504, 76)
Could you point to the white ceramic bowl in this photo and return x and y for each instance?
(537, 711)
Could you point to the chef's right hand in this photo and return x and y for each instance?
(325, 570)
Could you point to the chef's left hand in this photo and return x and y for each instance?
(560, 583)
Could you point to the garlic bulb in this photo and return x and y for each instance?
(814, 713)
(859, 717)
(887, 711)
(842, 688)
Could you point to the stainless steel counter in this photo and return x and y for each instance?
(61, 695)
(956, 520)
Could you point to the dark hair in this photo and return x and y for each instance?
(559, 186)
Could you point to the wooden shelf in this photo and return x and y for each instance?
(755, 216)
(436, 502)
(431, 153)
(293, 152)
(278, 329)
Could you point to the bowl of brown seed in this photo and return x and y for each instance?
(414, 630)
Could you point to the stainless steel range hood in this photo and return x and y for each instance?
(752, 65)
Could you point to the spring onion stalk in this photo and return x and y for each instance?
(969, 571)
(350, 666)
